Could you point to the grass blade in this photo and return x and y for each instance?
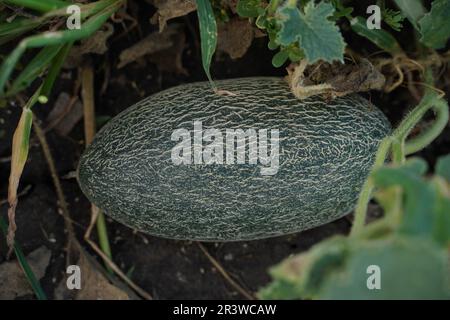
(34, 68)
(208, 34)
(55, 67)
(39, 5)
(29, 274)
(55, 38)
(11, 30)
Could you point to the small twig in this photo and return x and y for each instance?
(108, 261)
(87, 92)
(225, 274)
(20, 194)
(71, 239)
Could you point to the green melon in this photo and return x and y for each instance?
(326, 149)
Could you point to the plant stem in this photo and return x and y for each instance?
(366, 191)
(53, 72)
(418, 143)
(398, 152)
(414, 117)
(103, 240)
(400, 149)
(87, 93)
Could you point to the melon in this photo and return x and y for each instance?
(188, 163)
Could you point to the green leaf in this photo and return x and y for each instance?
(415, 165)
(413, 10)
(409, 268)
(208, 34)
(280, 58)
(317, 36)
(435, 25)
(302, 275)
(441, 230)
(279, 290)
(248, 8)
(443, 167)
(338, 269)
(420, 197)
(341, 10)
(54, 70)
(393, 18)
(272, 45)
(11, 30)
(261, 21)
(34, 283)
(34, 68)
(295, 54)
(379, 37)
(39, 5)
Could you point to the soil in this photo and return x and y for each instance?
(166, 269)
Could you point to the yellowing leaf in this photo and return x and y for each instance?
(18, 159)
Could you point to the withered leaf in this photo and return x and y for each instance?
(235, 37)
(334, 79)
(154, 42)
(171, 59)
(94, 44)
(65, 114)
(94, 285)
(169, 9)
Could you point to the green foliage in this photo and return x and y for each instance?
(410, 269)
(381, 38)
(292, 52)
(39, 5)
(208, 34)
(393, 18)
(435, 25)
(34, 68)
(413, 10)
(340, 10)
(303, 28)
(318, 37)
(299, 29)
(94, 15)
(411, 252)
(443, 167)
(248, 8)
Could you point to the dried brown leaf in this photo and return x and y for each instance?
(171, 59)
(94, 284)
(94, 44)
(334, 80)
(235, 37)
(154, 42)
(169, 9)
(65, 114)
